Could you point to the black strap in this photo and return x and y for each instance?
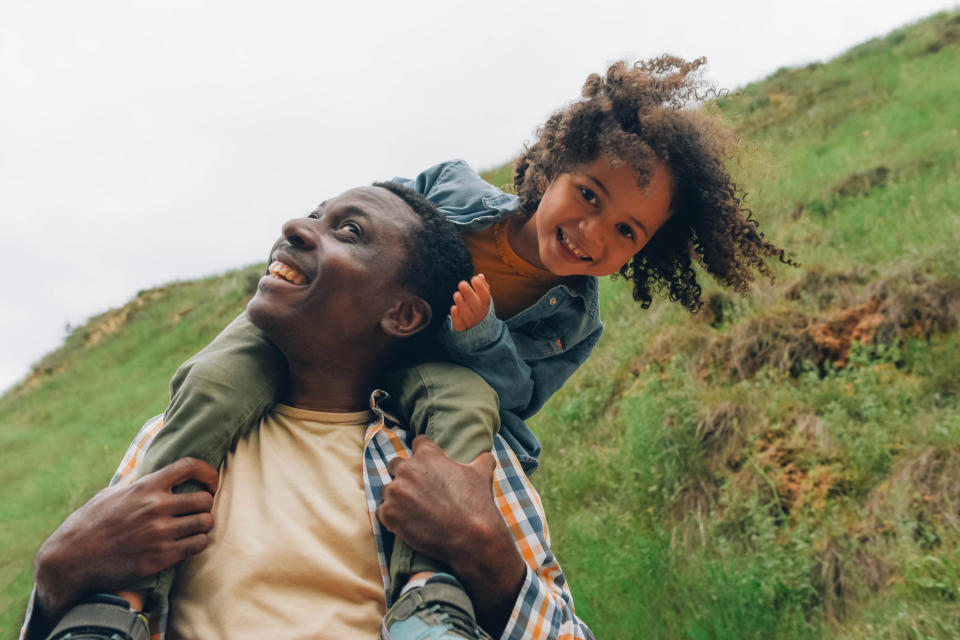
(100, 620)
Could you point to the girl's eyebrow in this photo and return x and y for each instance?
(640, 224)
(599, 184)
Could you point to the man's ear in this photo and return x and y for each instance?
(407, 317)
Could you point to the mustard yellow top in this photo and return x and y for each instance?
(515, 284)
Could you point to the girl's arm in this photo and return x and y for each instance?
(524, 386)
(488, 348)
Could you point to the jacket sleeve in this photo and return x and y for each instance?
(544, 607)
(460, 194)
(426, 180)
(524, 386)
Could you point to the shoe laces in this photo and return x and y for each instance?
(457, 620)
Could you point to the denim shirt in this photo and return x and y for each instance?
(530, 355)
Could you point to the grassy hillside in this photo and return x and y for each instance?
(783, 465)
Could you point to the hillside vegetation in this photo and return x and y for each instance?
(781, 465)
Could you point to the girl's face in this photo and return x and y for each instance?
(592, 220)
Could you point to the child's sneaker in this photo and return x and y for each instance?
(437, 610)
(101, 617)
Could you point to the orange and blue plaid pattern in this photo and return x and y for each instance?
(544, 607)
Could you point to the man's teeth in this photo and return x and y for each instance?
(283, 271)
(569, 245)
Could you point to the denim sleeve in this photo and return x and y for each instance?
(461, 194)
(523, 386)
(426, 181)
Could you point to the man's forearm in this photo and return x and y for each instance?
(54, 592)
(119, 536)
(446, 510)
(492, 573)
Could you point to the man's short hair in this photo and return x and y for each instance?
(436, 260)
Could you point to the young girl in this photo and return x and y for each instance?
(623, 181)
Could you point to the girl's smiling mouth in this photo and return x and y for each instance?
(569, 250)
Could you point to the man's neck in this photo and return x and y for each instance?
(328, 388)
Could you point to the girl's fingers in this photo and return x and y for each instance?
(458, 324)
(470, 303)
(471, 298)
(482, 288)
(481, 285)
(463, 318)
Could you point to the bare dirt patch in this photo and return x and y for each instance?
(776, 339)
(791, 342)
(113, 320)
(834, 335)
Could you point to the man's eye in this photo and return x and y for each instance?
(314, 215)
(626, 231)
(352, 229)
(588, 195)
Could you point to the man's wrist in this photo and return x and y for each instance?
(491, 569)
(56, 587)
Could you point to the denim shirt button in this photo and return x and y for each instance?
(553, 301)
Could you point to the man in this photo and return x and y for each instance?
(277, 563)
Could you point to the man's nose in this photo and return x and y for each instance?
(299, 233)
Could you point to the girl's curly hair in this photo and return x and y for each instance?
(636, 116)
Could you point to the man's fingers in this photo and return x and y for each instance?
(484, 464)
(191, 545)
(187, 526)
(423, 442)
(194, 502)
(393, 464)
(383, 515)
(182, 470)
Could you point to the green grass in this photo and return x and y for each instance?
(710, 476)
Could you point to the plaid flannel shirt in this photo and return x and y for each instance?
(544, 607)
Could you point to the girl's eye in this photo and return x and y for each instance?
(626, 231)
(589, 196)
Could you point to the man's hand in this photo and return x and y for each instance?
(470, 303)
(446, 510)
(124, 533)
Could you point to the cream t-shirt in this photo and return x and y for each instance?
(292, 553)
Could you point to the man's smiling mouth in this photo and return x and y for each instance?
(283, 271)
(574, 249)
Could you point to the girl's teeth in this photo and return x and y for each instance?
(573, 249)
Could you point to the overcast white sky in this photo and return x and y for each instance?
(144, 142)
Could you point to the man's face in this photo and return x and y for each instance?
(333, 274)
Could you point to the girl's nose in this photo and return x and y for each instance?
(590, 225)
(299, 233)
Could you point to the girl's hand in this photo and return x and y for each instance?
(470, 303)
